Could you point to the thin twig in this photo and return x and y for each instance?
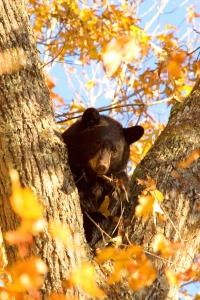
(97, 225)
(115, 107)
(170, 262)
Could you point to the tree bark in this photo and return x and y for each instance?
(28, 143)
(181, 190)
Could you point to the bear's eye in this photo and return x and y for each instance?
(98, 145)
(114, 150)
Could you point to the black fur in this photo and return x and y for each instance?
(98, 145)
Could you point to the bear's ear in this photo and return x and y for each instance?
(133, 134)
(91, 117)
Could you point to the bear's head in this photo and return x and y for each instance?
(99, 144)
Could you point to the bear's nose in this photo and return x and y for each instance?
(102, 168)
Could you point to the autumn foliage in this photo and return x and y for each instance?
(109, 56)
(130, 263)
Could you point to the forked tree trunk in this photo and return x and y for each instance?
(181, 190)
(28, 143)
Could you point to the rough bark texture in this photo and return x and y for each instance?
(28, 143)
(181, 190)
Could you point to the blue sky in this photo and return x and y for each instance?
(173, 13)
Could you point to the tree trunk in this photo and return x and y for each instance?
(181, 190)
(28, 143)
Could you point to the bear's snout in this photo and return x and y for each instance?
(100, 163)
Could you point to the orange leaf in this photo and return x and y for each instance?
(149, 183)
(193, 156)
(12, 60)
(164, 246)
(54, 296)
(174, 66)
(191, 14)
(27, 274)
(143, 275)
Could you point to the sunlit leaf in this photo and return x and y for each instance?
(61, 231)
(149, 183)
(55, 296)
(112, 57)
(157, 194)
(145, 207)
(173, 279)
(85, 277)
(12, 60)
(103, 209)
(187, 162)
(106, 254)
(165, 247)
(131, 262)
(174, 66)
(143, 275)
(24, 202)
(27, 274)
(192, 14)
(90, 84)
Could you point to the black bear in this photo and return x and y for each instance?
(98, 152)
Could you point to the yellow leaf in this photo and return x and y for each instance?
(135, 30)
(115, 277)
(131, 50)
(90, 84)
(158, 195)
(112, 57)
(168, 26)
(85, 277)
(122, 50)
(106, 254)
(61, 231)
(133, 262)
(145, 208)
(187, 89)
(24, 202)
(172, 278)
(76, 106)
(103, 209)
